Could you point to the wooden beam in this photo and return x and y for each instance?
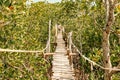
(48, 54)
(73, 54)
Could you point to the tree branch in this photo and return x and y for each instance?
(29, 70)
(2, 23)
(15, 67)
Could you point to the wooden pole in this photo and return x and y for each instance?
(56, 30)
(49, 34)
(48, 43)
(70, 42)
(70, 49)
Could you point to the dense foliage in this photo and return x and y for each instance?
(26, 27)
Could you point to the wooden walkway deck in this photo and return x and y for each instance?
(61, 67)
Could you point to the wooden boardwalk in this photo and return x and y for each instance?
(61, 68)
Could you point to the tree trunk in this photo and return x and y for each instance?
(106, 55)
(109, 4)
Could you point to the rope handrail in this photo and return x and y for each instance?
(89, 60)
(20, 51)
(30, 51)
(94, 63)
(25, 51)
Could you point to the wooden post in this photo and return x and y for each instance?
(47, 47)
(67, 44)
(49, 33)
(63, 29)
(70, 42)
(48, 43)
(56, 30)
(70, 49)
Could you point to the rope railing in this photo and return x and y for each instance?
(94, 63)
(20, 51)
(31, 51)
(83, 56)
(25, 51)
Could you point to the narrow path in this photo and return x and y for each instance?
(61, 67)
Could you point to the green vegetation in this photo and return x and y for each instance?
(26, 27)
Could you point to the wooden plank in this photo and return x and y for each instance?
(61, 68)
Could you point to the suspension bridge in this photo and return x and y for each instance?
(63, 57)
